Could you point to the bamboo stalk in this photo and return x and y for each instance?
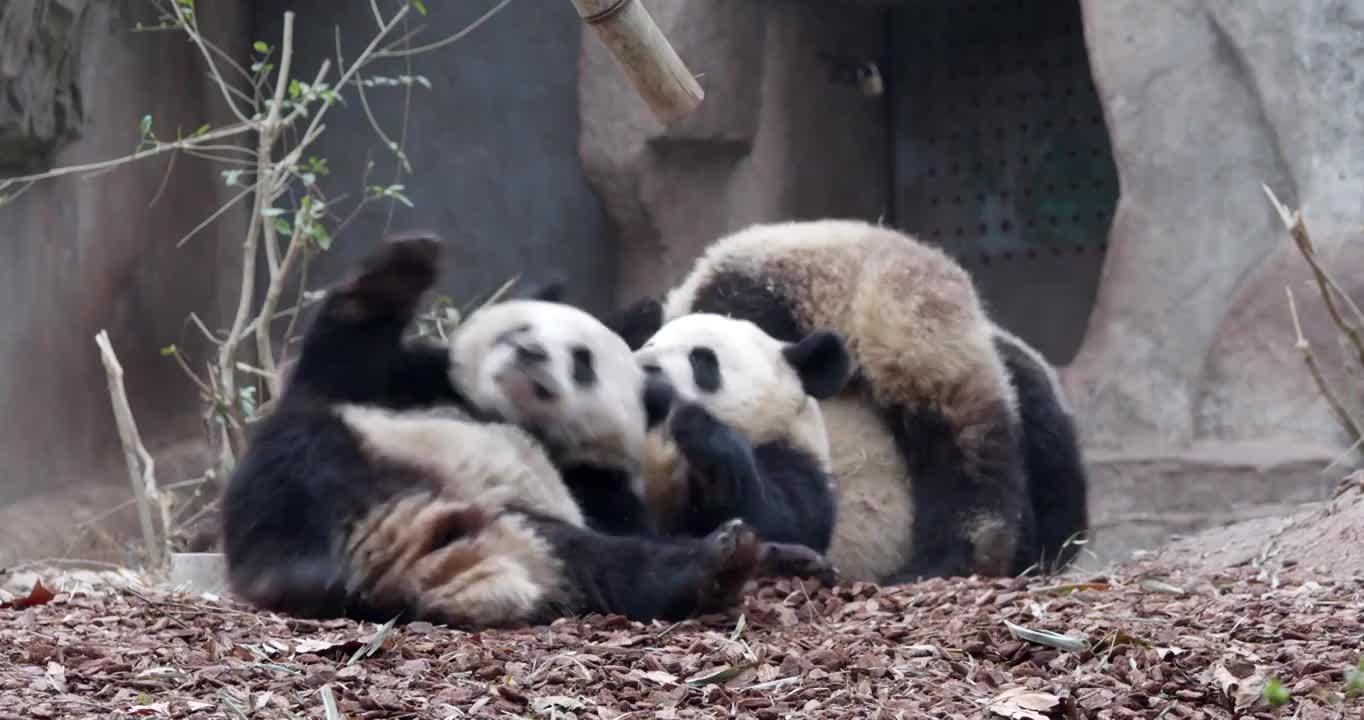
(658, 75)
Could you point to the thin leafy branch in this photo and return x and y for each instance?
(265, 150)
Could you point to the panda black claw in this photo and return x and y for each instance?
(791, 560)
(736, 556)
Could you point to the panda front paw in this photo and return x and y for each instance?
(694, 428)
(391, 279)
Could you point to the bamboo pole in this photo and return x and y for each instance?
(659, 76)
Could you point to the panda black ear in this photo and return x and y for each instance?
(822, 361)
(552, 290)
(658, 400)
(636, 323)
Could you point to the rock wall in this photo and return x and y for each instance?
(1191, 338)
(90, 253)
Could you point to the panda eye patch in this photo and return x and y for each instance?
(705, 369)
(653, 369)
(583, 374)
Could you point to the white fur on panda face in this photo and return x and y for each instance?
(758, 391)
(558, 372)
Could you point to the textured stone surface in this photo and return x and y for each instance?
(1241, 396)
(1205, 101)
(86, 253)
(1141, 496)
(40, 101)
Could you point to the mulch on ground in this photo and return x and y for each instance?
(1167, 647)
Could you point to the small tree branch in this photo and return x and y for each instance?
(191, 27)
(1347, 423)
(1326, 285)
(157, 149)
(141, 466)
(485, 17)
(268, 132)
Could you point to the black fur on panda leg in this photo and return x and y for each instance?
(1057, 478)
(725, 481)
(955, 494)
(667, 578)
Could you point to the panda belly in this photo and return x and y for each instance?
(468, 552)
(875, 523)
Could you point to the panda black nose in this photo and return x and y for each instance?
(531, 353)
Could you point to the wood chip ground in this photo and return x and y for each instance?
(1156, 647)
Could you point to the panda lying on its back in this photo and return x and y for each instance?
(951, 446)
(397, 479)
(748, 438)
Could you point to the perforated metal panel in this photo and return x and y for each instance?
(1002, 156)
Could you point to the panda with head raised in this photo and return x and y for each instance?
(940, 470)
(397, 478)
(746, 438)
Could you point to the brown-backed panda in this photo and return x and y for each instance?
(402, 479)
(940, 470)
(746, 437)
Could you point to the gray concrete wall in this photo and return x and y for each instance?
(84, 254)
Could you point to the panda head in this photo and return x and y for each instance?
(561, 374)
(745, 377)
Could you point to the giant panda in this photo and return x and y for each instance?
(746, 438)
(398, 479)
(940, 470)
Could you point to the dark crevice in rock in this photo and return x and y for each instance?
(40, 98)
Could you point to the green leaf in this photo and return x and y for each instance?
(146, 125)
(271, 212)
(261, 47)
(420, 6)
(294, 89)
(1274, 692)
(168, 350)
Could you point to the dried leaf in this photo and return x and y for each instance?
(660, 677)
(326, 647)
(1023, 704)
(1157, 586)
(1048, 638)
(556, 702)
(1243, 690)
(39, 595)
(719, 676)
(56, 674)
